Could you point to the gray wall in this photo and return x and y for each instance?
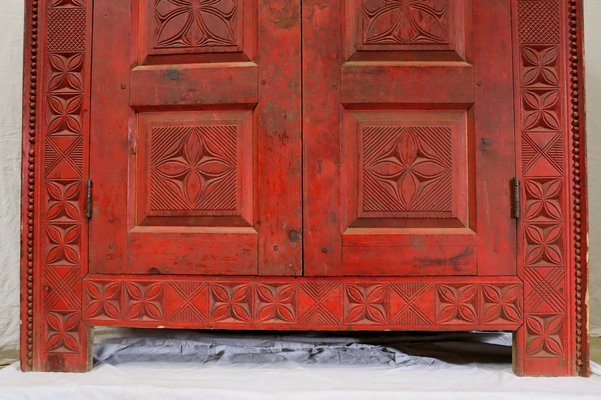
(11, 43)
(592, 9)
(11, 32)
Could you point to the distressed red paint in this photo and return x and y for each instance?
(251, 173)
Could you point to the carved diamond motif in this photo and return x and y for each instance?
(543, 199)
(407, 169)
(319, 303)
(538, 21)
(103, 300)
(64, 157)
(544, 245)
(63, 201)
(62, 288)
(542, 153)
(407, 304)
(67, 27)
(64, 244)
(501, 303)
(194, 168)
(145, 301)
(188, 301)
(541, 110)
(540, 66)
(544, 288)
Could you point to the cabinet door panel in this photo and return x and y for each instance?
(408, 138)
(196, 137)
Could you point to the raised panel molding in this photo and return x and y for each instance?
(407, 29)
(405, 22)
(413, 165)
(195, 23)
(193, 168)
(195, 164)
(197, 28)
(407, 169)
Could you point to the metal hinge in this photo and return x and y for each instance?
(89, 199)
(515, 198)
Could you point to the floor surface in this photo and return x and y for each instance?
(225, 366)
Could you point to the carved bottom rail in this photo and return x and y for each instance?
(468, 303)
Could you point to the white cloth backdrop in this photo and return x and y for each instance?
(593, 90)
(185, 365)
(11, 41)
(11, 55)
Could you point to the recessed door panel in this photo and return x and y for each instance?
(430, 29)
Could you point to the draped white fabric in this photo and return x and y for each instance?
(11, 55)
(188, 365)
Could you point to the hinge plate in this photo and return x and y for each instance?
(515, 197)
(89, 199)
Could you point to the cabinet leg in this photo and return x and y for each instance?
(539, 348)
(60, 342)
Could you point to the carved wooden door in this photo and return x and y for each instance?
(196, 130)
(408, 138)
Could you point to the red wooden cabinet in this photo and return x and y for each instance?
(353, 164)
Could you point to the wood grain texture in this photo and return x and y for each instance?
(193, 86)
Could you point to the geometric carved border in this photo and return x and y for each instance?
(304, 303)
(549, 342)
(55, 138)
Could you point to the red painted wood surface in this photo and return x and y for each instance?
(236, 145)
(409, 144)
(199, 109)
(449, 303)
